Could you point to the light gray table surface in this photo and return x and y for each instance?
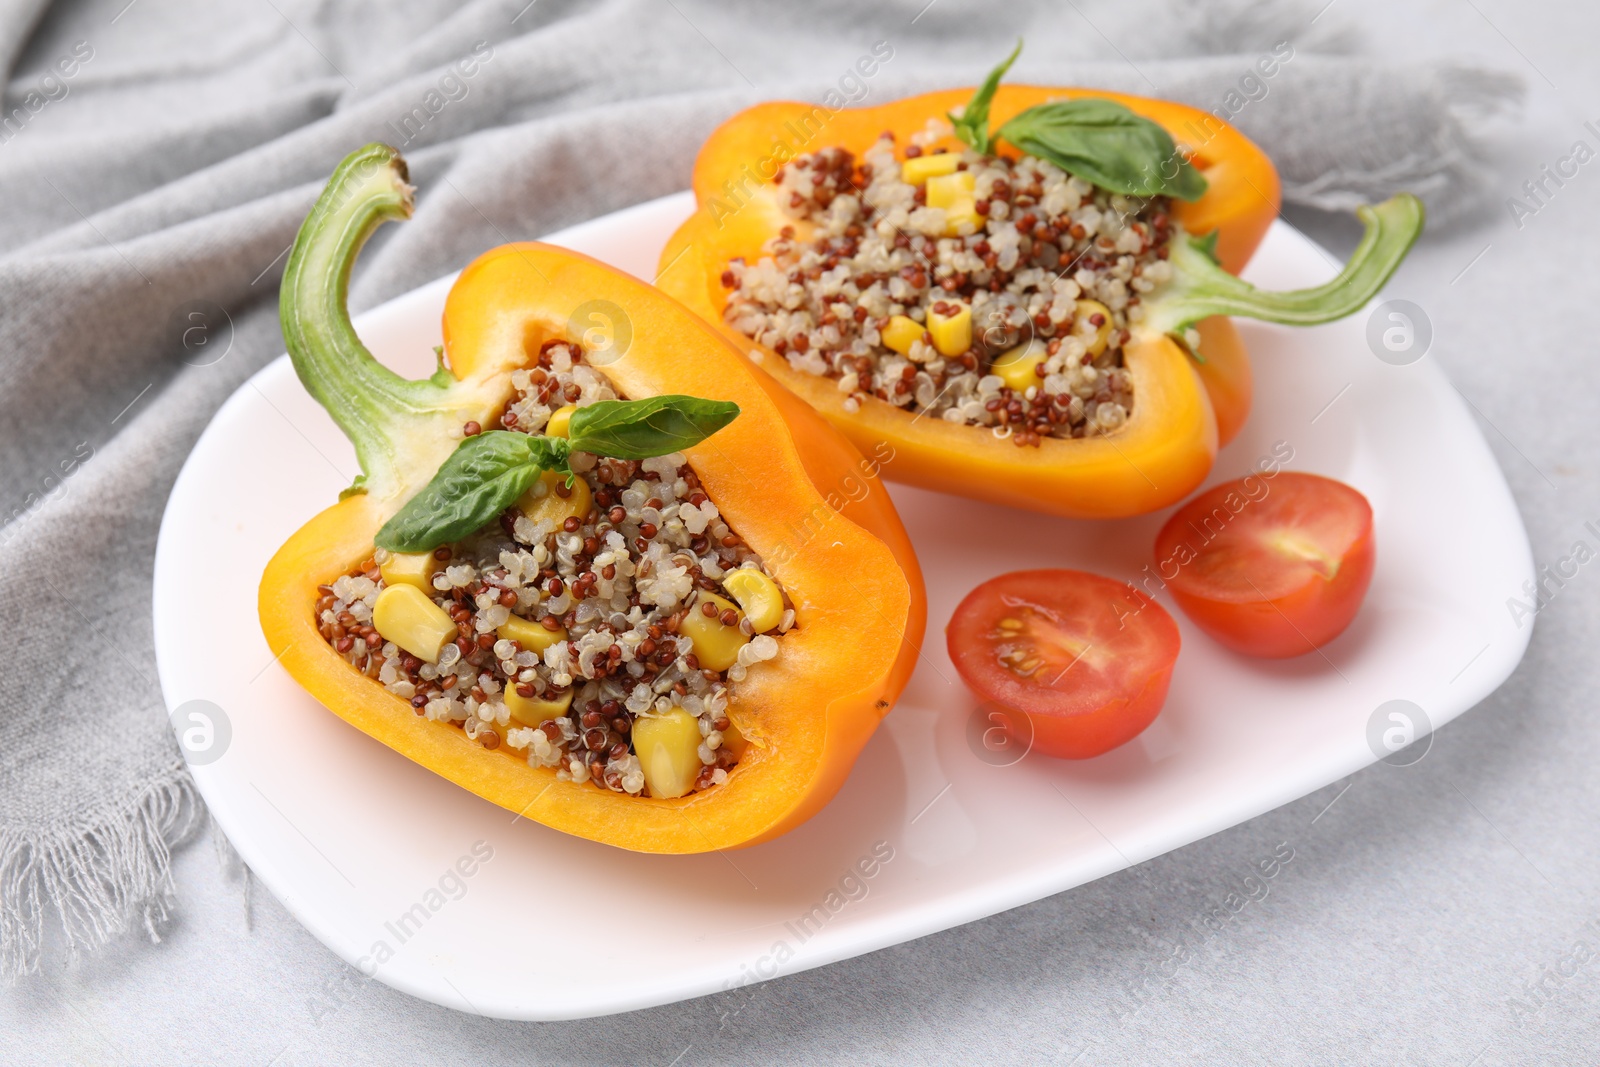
(1422, 905)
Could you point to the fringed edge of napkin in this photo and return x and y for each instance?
(101, 879)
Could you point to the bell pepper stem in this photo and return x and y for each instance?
(1201, 288)
(374, 406)
(972, 125)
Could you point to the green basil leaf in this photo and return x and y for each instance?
(482, 478)
(1103, 142)
(972, 127)
(639, 429)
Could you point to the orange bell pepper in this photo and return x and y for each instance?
(795, 490)
(1184, 406)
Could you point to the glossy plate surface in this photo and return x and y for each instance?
(368, 849)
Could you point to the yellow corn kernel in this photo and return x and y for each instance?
(918, 170)
(404, 614)
(952, 334)
(716, 646)
(410, 568)
(560, 420)
(668, 747)
(759, 598)
(1017, 367)
(949, 190)
(532, 636)
(734, 740)
(953, 193)
(964, 212)
(902, 333)
(1083, 311)
(531, 711)
(543, 500)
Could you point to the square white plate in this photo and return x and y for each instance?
(363, 846)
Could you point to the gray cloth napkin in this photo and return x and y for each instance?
(157, 160)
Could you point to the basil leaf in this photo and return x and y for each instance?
(973, 126)
(488, 472)
(1103, 142)
(639, 429)
(482, 477)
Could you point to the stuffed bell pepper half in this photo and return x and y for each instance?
(610, 579)
(1022, 290)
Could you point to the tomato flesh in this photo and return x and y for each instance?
(1085, 659)
(1270, 566)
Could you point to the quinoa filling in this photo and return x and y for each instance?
(990, 293)
(621, 584)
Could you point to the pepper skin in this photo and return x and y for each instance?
(1182, 411)
(796, 491)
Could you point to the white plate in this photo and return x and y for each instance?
(351, 836)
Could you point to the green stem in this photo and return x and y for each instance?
(375, 407)
(972, 127)
(1200, 288)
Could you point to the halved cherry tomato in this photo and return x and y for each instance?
(1086, 659)
(1270, 566)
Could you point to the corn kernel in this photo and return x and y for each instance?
(952, 334)
(532, 636)
(560, 421)
(543, 502)
(902, 333)
(531, 711)
(716, 646)
(668, 747)
(918, 170)
(758, 596)
(953, 193)
(404, 614)
(410, 568)
(1083, 311)
(949, 190)
(962, 219)
(1017, 367)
